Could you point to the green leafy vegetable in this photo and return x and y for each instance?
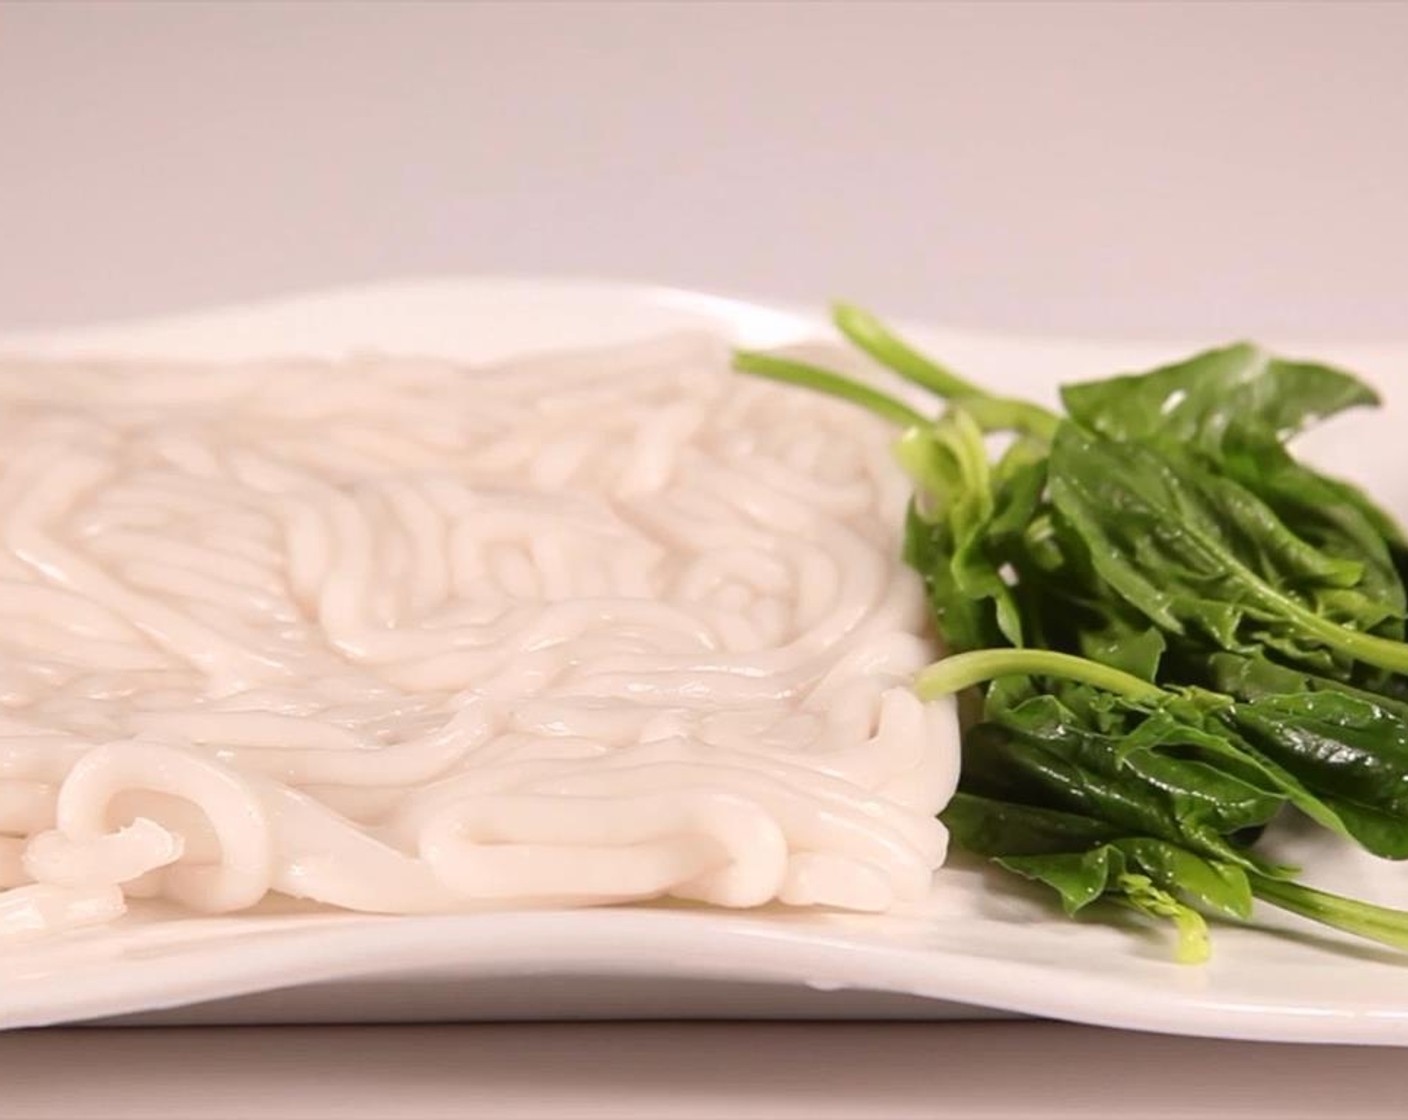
(1204, 400)
(1352, 749)
(1191, 548)
(1174, 629)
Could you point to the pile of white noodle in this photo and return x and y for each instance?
(401, 636)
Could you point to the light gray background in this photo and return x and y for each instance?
(1193, 167)
(1201, 169)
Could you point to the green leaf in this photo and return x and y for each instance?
(1351, 750)
(1237, 406)
(1194, 551)
(964, 620)
(1140, 893)
(1345, 743)
(1123, 644)
(946, 536)
(1330, 515)
(1199, 400)
(1220, 886)
(1078, 877)
(1145, 875)
(1042, 754)
(1204, 730)
(988, 827)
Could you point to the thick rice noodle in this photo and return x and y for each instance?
(400, 636)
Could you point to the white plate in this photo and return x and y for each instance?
(981, 945)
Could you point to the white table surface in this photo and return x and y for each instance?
(1194, 169)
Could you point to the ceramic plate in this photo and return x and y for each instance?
(980, 946)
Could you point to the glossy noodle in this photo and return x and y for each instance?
(400, 636)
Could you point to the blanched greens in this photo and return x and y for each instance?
(1179, 630)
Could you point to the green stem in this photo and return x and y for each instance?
(793, 372)
(993, 414)
(1377, 923)
(870, 335)
(1003, 414)
(1141, 894)
(963, 670)
(1368, 648)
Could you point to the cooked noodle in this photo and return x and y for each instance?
(404, 637)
